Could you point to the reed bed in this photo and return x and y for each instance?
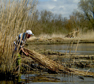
(88, 35)
(15, 18)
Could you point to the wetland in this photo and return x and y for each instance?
(65, 54)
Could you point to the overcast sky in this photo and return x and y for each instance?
(63, 7)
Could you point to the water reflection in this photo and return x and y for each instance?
(52, 79)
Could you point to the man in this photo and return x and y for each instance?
(19, 44)
(21, 40)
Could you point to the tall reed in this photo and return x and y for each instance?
(15, 18)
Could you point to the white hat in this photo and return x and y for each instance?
(29, 32)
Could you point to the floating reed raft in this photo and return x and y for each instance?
(54, 66)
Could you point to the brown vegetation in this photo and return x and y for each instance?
(14, 20)
(61, 39)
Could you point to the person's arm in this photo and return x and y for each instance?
(24, 51)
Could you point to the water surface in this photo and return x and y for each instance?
(83, 49)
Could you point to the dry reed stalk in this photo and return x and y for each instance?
(14, 20)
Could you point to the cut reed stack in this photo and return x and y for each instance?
(54, 66)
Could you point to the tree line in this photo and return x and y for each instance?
(45, 22)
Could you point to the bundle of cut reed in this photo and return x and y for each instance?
(54, 66)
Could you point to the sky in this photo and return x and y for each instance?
(63, 7)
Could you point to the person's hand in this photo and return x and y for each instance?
(26, 54)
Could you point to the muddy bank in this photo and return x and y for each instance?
(59, 40)
(70, 59)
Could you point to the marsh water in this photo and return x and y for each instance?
(39, 77)
(83, 49)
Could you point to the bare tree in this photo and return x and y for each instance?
(87, 7)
